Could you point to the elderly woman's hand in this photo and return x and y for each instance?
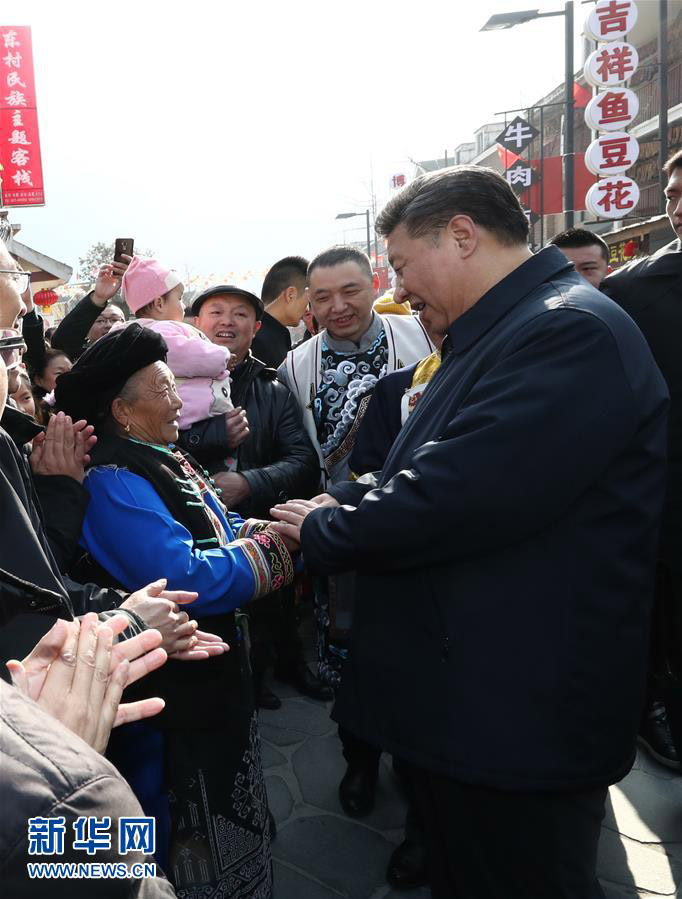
(158, 608)
(290, 517)
(77, 675)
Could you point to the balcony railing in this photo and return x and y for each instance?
(647, 92)
(649, 200)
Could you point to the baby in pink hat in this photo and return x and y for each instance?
(154, 294)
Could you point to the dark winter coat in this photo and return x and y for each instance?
(506, 560)
(272, 342)
(650, 291)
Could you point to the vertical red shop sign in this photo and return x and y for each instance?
(20, 165)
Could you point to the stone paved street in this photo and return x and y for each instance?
(320, 853)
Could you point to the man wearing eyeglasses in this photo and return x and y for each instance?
(11, 311)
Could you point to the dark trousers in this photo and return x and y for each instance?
(273, 629)
(489, 844)
(358, 753)
(664, 681)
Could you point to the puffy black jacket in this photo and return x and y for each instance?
(47, 771)
(277, 459)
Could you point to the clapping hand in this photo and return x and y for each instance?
(63, 448)
(77, 675)
(158, 608)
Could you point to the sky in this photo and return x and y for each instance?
(225, 135)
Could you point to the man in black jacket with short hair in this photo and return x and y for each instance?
(259, 455)
(285, 300)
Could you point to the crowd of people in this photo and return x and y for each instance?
(473, 480)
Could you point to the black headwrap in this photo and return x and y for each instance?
(88, 390)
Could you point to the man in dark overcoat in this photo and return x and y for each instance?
(650, 291)
(506, 556)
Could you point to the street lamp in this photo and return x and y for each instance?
(350, 215)
(502, 21)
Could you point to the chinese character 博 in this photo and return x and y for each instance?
(92, 833)
(46, 836)
(136, 835)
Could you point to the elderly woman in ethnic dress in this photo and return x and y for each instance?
(154, 513)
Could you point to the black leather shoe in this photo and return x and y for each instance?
(266, 699)
(407, 868)
(301, 677)
(356, 792)
(656, 737)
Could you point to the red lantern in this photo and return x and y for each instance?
(46, 297)
(630, 249)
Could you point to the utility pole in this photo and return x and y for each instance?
(569, 155)
(662, 93)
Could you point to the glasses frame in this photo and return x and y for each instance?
(18, 274)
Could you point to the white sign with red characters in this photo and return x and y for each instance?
(21, 174)
(610, 20)
(611, 64)
(612, 153)
(612, 110)
(612, 198)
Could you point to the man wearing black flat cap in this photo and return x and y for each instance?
(259, 455)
